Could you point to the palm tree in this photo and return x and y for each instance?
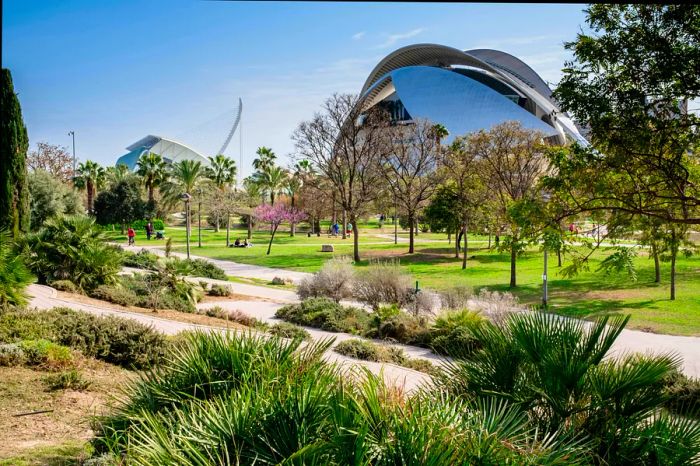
(152, 168)
(266, 159)
(115, 175)
(90, 176)
(222, 173)
(273, 180)
(440, 133)
(183, 177)
(253, 193)
(294, 183)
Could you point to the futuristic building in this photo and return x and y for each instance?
(171, 151)
(465, 91)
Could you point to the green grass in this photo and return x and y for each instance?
(68, 454)
(589, 294)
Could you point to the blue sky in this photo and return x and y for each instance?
(115, 71)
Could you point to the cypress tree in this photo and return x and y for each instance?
(14, 189)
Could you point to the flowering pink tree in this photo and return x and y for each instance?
(275, 215)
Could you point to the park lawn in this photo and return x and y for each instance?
(587, 295)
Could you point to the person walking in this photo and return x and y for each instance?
(149, 231)
(132, 235)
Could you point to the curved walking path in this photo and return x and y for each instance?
(234, 269)
(44, 297)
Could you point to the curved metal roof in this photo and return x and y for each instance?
(172, 151)
(500, 65)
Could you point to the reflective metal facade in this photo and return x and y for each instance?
(466, 91)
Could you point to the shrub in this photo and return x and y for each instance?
(284, 404)
(220, 290)
(65, 285)
(158, 224)
(453, 333)
(23, 324)
(116, 340)
(72, 248)
(369, 351)
(141, 260)
(278, 281)
(334, 280)
(423, 302)
(198, 268)
(287, 330)
(14, 274)
(234, 316)
(46, 354)
(404, 328)
(203, 285)
(11, 354)
(682, 394)
(556, 370)
(383, 283)
(325, 314)
(115, 294)
(70, 379)
(456, 298)
(495, 306)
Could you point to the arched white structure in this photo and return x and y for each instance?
(171, 151)
(465, 91)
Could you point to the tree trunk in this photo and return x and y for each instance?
(559, 257)
(449, 237)
(657, 266)
(150, 193)
(415, 225)
(272, 198)
(317, 225)
(674, 253)
(344, 224)
(216, 220)
(355, 240)
(250, 226)
(489, 239)
(513, 255)
(335, 215)
(466, 246)
(292, 229)
(498, 240)
(411, 219)
(457, 243)
(123, 228)
(90, 195)
(228, 229)
(269, 245)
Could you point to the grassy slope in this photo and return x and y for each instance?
(586, 295)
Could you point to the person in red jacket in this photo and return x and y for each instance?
(131, 234)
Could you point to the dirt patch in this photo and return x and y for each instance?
(618, 294)
(23, 390)
(186, 317)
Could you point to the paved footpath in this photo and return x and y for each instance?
(629, 341)
(44, 297)
(231, 268)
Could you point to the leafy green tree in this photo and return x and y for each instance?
(182, 177)
(249, 200)
(14, 275)
(14, 190)
(72, 248)
(90, 176)
(152, 169)
(50, 197)
(120, 205)
(630, 83)
(512, 161)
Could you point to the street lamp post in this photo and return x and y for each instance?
(545, 290)
(186, 198)
(199, 218)
(396, 221)
(72, 133)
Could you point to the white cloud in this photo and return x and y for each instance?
(394, 38)
(358, 36)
